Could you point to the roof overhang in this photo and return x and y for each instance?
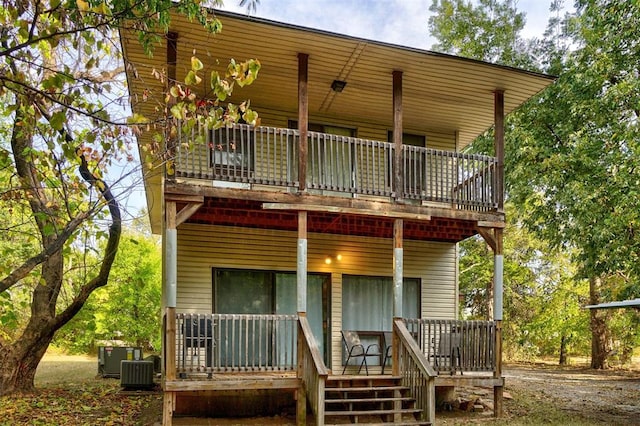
(441, 93)
(633, 303)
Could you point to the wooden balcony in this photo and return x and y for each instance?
(226, 352)
(247, 157)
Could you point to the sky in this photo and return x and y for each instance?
(403, 22)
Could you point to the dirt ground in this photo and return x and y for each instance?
(606, 397)
(550, 394)
(534, 394)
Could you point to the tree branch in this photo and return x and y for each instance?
(115, 230)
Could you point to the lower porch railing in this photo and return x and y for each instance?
(413, 367)
(312, 370)
(209, 343)
(455, 345)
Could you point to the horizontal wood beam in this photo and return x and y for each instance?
(386, 212)
(486, 224)
(469, 381)
(230, 384)
(178, 197)
(324, 200)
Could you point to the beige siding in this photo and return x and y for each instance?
(201, 247)
(435, 139)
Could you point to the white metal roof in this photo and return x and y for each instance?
(618, 304)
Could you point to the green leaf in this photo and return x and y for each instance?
(177, 111)
(196, 64)
(192, 79)
(57, 120)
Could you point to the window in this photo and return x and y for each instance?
(367, 303)
(232, 151)
(238, 291)
(330, 159)
(410, 139)
(325, 128)
(414, 163)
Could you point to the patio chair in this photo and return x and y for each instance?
(197, 334)
(448, 351)
(388, 348)
(355, 349)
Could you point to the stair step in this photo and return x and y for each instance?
(366, 389)
(337, 378)
(408, 423)
(372, 399)
(363, 398)
(373, 412)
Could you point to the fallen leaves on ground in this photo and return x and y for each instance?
(99, 402)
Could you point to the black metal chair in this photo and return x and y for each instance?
(198, 333)
(447, 354)
(388, 348)
(355, 349)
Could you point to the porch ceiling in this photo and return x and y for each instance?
(441, 93)
(247, 213)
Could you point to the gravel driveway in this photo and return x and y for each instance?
(609, 396)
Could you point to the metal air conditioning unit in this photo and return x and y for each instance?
(136, 374)
(109, 358)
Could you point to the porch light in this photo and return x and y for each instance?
(329, 259)
(338, 85)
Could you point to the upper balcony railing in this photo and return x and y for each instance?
(337, 164)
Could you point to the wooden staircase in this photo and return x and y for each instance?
(371, 400)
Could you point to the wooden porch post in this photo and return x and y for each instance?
(498, 251)
(301, 393)
(397, 267)
(172, 61)
(398, 181)
(499, 146)
(303, 117)
(497, 312)
(302, 262)
(169, 291)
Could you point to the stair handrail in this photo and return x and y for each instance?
(311, 371)
(414, 369)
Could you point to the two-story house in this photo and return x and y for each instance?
(340, 213)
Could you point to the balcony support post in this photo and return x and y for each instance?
(398, 256)
(302, 262)
(172, 61)
(303, 117)
(398, 181)
(169, 243)
(497, 312)
(499, 147)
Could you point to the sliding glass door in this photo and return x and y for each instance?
(367, 305)
(268, 292)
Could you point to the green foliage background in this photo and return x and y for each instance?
(127, 310)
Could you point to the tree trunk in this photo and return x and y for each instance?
(599, 331)
(20, 358)
(563, 350)
(489, 299)
(19, 364)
